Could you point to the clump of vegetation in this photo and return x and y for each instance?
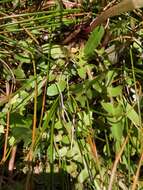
(70, 100)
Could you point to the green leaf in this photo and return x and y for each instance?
(52, 90)
(17, 120)
(55, 89)
(62, 152)
(97, 86)
(82, 99)
(11, 141)
(115, 110)
(132, 115)
(82, 72)
(83, 175)
(114, 91)
(65, 140)
(58, 138)
(12, 27)
(72, 169)
(22, 58)
(57, 52)
(93, 41)
(117, 130)
(22, 133)
(58, 125)
(1, 129)
(110, 77)
(19, 73)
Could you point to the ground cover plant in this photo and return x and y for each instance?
(70, 99)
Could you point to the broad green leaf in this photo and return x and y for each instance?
(117, 133)
(82, 99)
(117, 130)
(52, 90)
(58, 125)
(65, 140)
(62, 152)
(72, 169)
(11, 141)
(22, 133)
(55, 89)
(132, 115)
(57, 52)
(89, 94)
(82, 72)
(1, 129)
(73, 152)
(114, 91)
(97, 86)
(83, 175)
(77, 88)
(19, 73)
(58, 138)
(93, 41)
(17, 120)
(115, 110)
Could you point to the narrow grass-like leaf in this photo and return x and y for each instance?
(93, 41)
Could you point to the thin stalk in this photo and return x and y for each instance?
(67, 11)
(35, 105)
(51, 158)
(118, 156)
(137, 173)
(134, 79)
(7, 126)
(30, 154)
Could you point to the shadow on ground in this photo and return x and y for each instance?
(42, 181)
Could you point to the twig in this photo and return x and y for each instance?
(7, 126)
(12, 159)
(137, 173)
(116, 163)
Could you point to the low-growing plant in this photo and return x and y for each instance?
(71, 113)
